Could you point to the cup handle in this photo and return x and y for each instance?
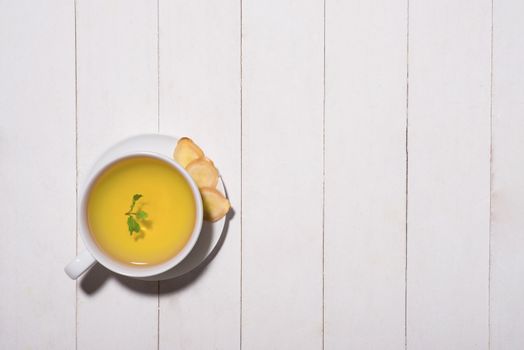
(79, 265)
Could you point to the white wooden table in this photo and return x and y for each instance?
(372, 151)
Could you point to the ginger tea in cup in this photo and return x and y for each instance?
(164, 212)
(140, 215)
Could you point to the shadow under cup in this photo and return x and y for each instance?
(174, 214)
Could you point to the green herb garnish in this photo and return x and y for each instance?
(132, 217)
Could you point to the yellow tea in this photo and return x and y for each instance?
(166, 197)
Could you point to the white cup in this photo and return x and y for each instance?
(94, 253)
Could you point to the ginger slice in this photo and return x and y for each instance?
(187, 151)
(204, 173)
(215, 204)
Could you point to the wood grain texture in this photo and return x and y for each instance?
(282, 174)
(37, 176)
(507, 241)
(365, 176)
(449, 174)
(200, 98)
(117, 97)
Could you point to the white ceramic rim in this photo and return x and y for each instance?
(129, 270)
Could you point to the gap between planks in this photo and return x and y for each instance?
(76, 171)
(241, 171)
(490, 173)
(406, 185)
(158, 132)
(323, 175)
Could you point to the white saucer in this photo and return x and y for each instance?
(211, 231)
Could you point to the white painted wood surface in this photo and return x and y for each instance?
(345, 184)
(448, 175)
(507, 219)
(282, 96)
(365, 174)
(37, 174)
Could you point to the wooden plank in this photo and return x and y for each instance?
(117, 97)
(507, 242)
(37, 177)
(365, 181)
(449, 174)
(200, 98)
(282, 174)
